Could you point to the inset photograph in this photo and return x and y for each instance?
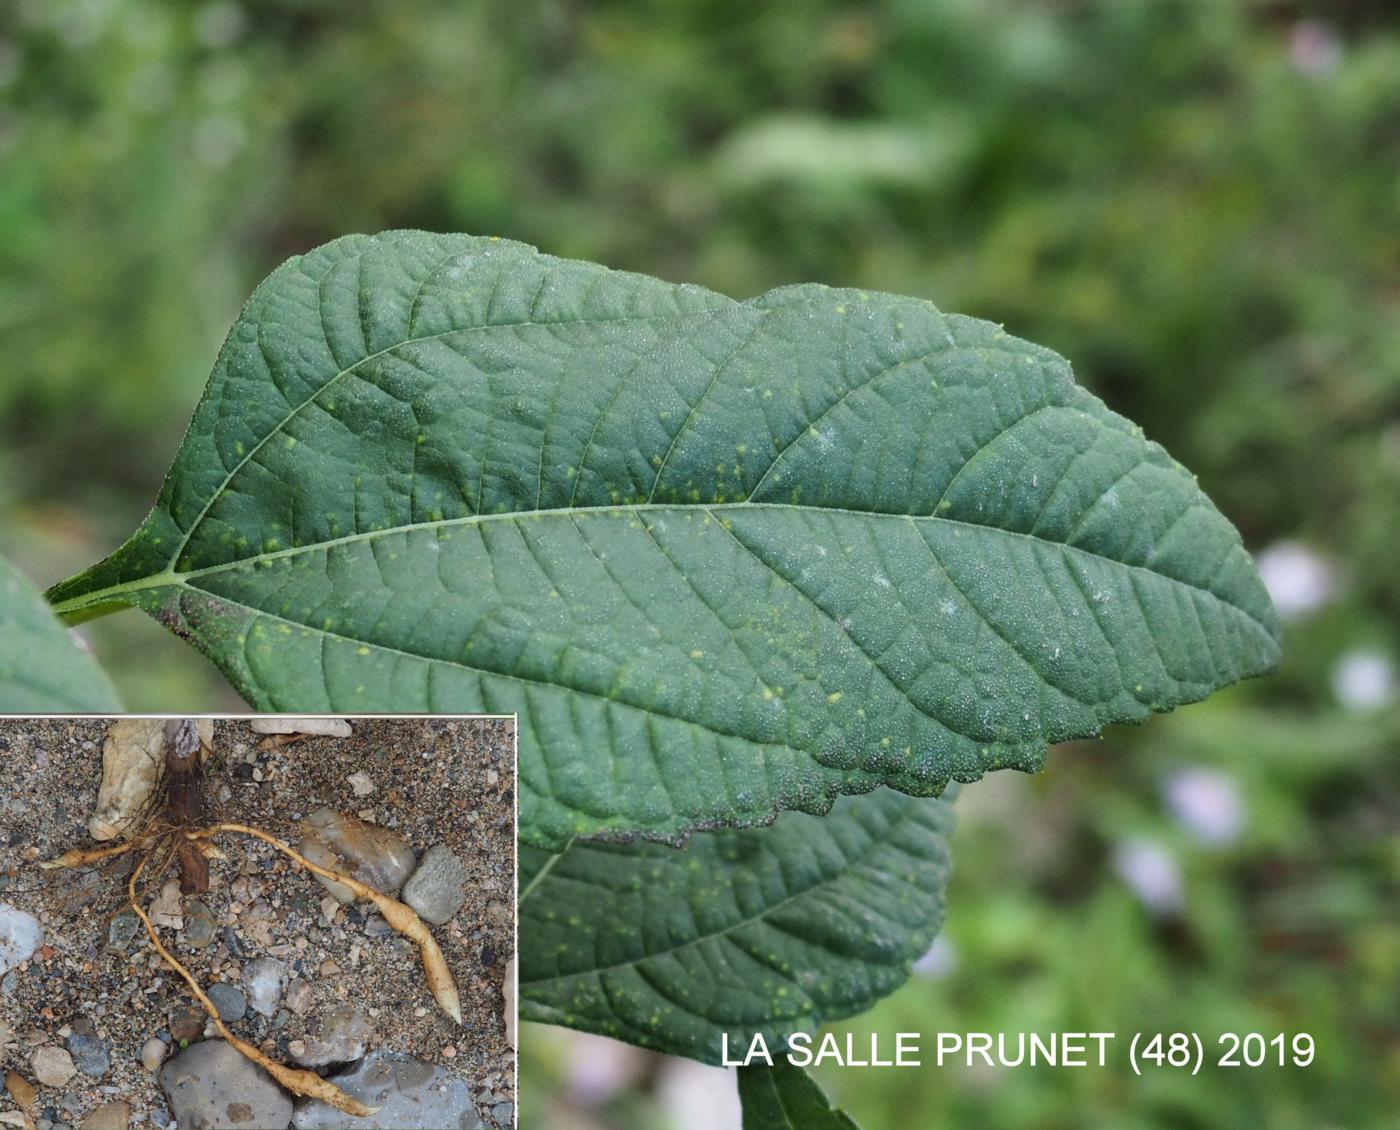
(257, 922)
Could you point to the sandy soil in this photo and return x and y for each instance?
(435, 780)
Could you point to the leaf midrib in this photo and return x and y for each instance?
(171, 576)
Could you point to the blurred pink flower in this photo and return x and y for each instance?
(1298, 580)
(1207, 803)
(696, 1095)
(1364, 679)
(940, 960)
(1151, 873)
(1314, 47)
(597, 1068)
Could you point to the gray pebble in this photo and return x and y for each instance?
(89, 1051)
(371, 854)
(342, 1037)
(153, 1053)
(211, 1085)
(121, 930)
(200, 929)
(504, 1115)
(229, 1000)
(234, 944)
(52, 1066)
(262, 982)
(438, 887)
(299, 997)
(20, 935)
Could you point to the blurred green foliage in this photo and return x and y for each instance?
(1198, 202)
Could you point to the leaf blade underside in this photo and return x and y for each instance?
(767, 931)
(784, 1097)
(723, 558)
(42, 670)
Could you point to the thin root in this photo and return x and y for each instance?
(399, 915)
(297, 1080)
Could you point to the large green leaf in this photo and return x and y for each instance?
(723, 558)
(41, 668)
(765, 931)
(784, 1097)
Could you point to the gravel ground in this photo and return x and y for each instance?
(435, 780)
